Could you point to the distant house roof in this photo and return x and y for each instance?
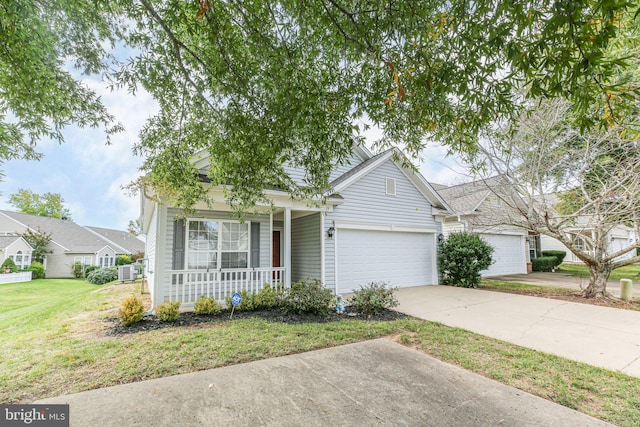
(123, 239)
(465, 198)
(72, 237)
(6, 241)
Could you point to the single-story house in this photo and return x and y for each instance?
(380, 223)
(17, 248)
(477, 208)
(70, 242)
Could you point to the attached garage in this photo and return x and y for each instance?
(508, 254)
(399, 258)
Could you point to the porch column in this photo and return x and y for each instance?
(287, 247)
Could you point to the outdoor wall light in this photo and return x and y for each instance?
(330, 232)
(440, 238)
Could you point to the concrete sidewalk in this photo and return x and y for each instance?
(600, 336)
(373, 383)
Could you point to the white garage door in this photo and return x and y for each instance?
(398, 258)
(508, 255)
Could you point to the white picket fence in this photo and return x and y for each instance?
(23, 276)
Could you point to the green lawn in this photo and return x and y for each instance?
(55, 341)
(580, 270)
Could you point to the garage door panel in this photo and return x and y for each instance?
(508, 254)
(400, 259)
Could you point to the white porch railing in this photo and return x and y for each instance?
(23, 276)
(187, 286)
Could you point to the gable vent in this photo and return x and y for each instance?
(391, 186)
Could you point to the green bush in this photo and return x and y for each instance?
(9, 264)
(131, 311)
(207, 306)
(89, 268)
(544, 263)
(37, 270)
(308, 297)
(168, 311)
(462, 256)
(558, 254)
(267, 298)
(124, 260)
(77, 269)
(102, 276)
(373, 298)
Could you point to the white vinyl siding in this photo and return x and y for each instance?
(150, 250)
(366, 201)
(305, 247)
(298, 173)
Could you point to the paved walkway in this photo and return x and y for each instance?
(373, 383)
(600, 336)
(561, 279)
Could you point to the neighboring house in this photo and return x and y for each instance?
(477, 208)
(118, 238)
(16, 248)
(70, 242)
(379, 224)
(618, 238)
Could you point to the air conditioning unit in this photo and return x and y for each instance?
(127, 272)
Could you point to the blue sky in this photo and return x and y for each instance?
(90, 175)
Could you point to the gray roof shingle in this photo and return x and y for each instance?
(73, 237)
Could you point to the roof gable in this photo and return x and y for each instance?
(467, 198)
(123, 240)
(397, 158)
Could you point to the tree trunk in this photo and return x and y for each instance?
(598, 281)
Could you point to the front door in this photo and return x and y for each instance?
(275, 256)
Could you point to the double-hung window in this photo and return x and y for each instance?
(215, 244)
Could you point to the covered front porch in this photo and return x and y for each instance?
(215, 255)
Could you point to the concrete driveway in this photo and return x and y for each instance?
(374, 383)
(563, 280)
(600, 336)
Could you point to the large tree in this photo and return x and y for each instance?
(47, 204)
(256, 85)
(572, 186)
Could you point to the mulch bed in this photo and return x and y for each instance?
(571, 296)
(277, 315)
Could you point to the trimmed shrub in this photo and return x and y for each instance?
(102, 276)
(462, 256)
(131, 311)
(37, 270)
(373, 298)
(168, 311)
(207, 306)
(9, 264)
(123, 260)
(544, 263)
(558, 254)
(267, 298)
(308, 297)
